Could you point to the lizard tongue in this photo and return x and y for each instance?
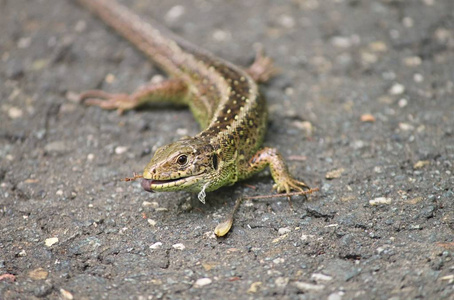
(146, 184)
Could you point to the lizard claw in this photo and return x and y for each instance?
(289, 184)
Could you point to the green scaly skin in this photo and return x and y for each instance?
(223, 97)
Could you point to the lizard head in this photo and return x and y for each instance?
(187, 164)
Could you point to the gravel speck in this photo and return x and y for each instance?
(51, 241)
(15, 112)
(380, 200)
(308, 287)
(175, 13)
(397, 89)
(156, 245)
(179, 246)
(57, 147)
(317, 277)
(120, 149)
(334, 173)
(283, 230)
(66, 294)
(202, 282)
(38, 274)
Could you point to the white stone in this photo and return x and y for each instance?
(202, 282)
(51, 241)
(179, 246)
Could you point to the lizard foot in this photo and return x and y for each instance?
(263, 68)
(104, 100)
(288, 184)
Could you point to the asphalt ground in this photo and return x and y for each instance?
(363, 109)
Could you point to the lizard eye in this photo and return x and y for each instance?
(182, 159)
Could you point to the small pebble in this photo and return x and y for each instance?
(175, 13)
(408, 22)
(222, 35)
(66, 295)
(283, 230)
(414, 200)
(402, 102)
(368, 58)
(308, 287)
(326, 187)
(358, 144)
(412, 61)
(80, 26)
(278, 239)
(38, 274)
(152, 222)
(15, 113)
(202, 282)
(110, 78)
(182, 131)
(397, 89)
(341, 42)
(389, 75)
(56, 147)
(305, 126)
(24, 42)
(378, 46)
(153, 204)
(179, 246)
(334, 173)
(278, 261)
(335, 296)
(156, 245)
(121, 149)
(287, 21)
(305, 237)
(51, 241)
(449, 278)
(418, 77)
(320, 277)
(406, 126)
(443, 35)
(254, 287)
(380, 200)
(281, 282)
(367, 118)
(421, 164)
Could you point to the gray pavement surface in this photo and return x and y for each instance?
(363, 109)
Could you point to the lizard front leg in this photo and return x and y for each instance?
(170, 90)
(284, 181)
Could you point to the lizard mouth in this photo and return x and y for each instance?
(150, 185)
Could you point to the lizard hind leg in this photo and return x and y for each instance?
(284, 181)
(170, 90)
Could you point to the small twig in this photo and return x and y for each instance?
(253, 187)
(7, 276)
(310, 191)
(297, 157)
(135, 176)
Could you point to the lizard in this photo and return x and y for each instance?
(223, 97)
